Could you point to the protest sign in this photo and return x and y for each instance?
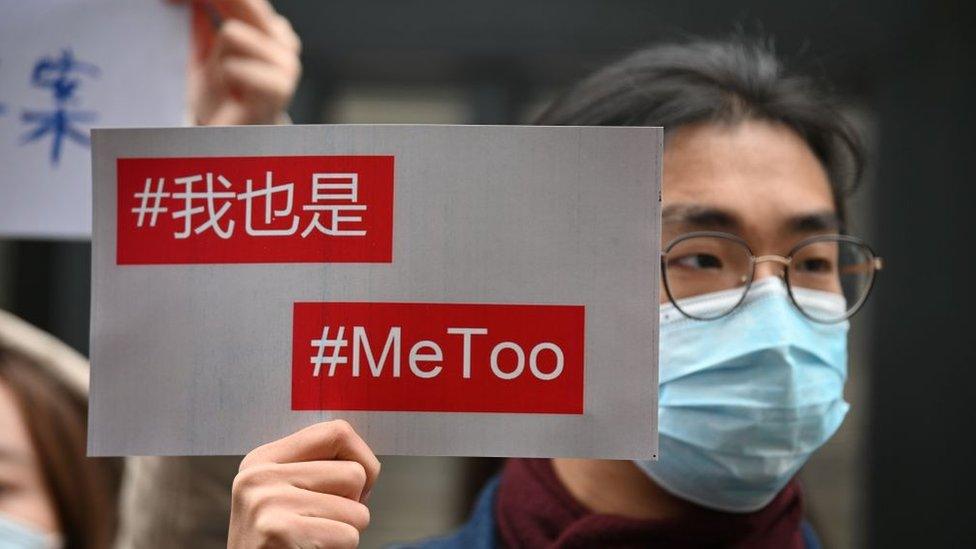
(65, 67)
(449, 290)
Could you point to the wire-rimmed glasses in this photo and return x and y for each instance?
(823, 268)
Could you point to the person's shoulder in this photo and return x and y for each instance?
(478, 533)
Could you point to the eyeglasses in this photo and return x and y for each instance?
(824, 268)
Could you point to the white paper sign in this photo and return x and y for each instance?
(67, 66)
(449, 290)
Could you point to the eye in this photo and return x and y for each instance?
(696, 261)
(815, 265)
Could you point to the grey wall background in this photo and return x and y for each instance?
(900, 473)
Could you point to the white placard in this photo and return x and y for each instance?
(67, 66)
(449, 290)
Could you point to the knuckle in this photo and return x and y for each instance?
(272, 529)
(346, 535)
(243, 483)
(260, 503)
(242, 497)
(258, 455)
(225, 35)
(357, 474)
(254, 457)
(276, 97)
(293, 67)
(248, 460)
(289, 34)
(222, 36)
(360, 516)
(343, 426)
(341, 431)
(230, 65)
(231, 28)
(255, 501)
(254, 476)
(354, 475)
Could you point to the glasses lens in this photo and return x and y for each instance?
(830, 278)
(701, 265)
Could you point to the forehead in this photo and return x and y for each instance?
(761, 171)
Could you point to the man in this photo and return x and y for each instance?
(758, 281)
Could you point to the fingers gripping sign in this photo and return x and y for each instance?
(246, 65)
(305, 490)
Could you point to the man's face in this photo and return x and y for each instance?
(757, 180)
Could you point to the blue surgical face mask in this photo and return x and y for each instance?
(745, 399)
(17, 535)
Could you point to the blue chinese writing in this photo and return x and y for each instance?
(62, 76)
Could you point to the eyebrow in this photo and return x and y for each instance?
(712, 218)
(704, 217)
(816, 222)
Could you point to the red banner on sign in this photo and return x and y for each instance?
(255, 209)
(424, 357)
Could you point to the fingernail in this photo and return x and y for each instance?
(365, 497)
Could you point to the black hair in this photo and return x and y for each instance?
(727, 81)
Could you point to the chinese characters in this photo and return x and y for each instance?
(204, 202)
(254, 209)
(62, 76)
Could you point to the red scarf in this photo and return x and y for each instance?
(533, 509)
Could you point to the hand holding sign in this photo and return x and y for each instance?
(247, 72)
(305, 490)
